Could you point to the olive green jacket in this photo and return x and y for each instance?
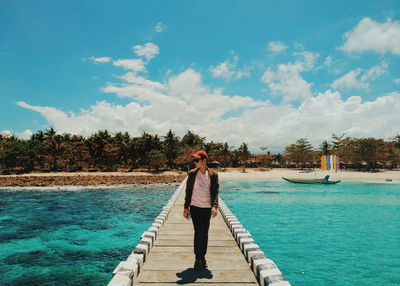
(214, 187)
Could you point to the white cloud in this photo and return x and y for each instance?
(135, 65)
(6, 133)
(375, 72)
(227, 70)
(98, 60)
(203, 113)
(359, 78)
(397, 80)
(369, 35)
(350, 81)
(328, 61)
(160, 27)
(23, 135)
(287, 81)
(276, 47)
(148, 50)
(183, 102)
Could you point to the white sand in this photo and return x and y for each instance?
(254, 174)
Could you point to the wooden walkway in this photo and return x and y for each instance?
(170, 260)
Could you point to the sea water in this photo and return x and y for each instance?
(72, 236)
(345, 234)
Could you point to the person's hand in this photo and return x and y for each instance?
(214, 212)
(186, 213)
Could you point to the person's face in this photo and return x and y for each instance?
(199, 163)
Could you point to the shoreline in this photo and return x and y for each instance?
(105, 179)
(88, 179)
(254, 174)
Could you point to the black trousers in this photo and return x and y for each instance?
(201, 223)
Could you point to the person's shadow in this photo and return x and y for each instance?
(190, 275)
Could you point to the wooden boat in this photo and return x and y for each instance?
(324, 181)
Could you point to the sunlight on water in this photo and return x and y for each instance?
(345, 234)
(73, 236)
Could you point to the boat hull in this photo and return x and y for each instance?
(311, 181)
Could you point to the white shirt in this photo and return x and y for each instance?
(201, 196)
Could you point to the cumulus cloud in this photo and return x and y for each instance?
(359, 78)
(135, 65)
(183, 102)
(148, 50)
(6, 133)
(160, 27)
(98, 60)
(369, 35)
(287, 80)
(227, 70)
(276, 47)
(261, 123)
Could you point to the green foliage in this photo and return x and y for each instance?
(171, 148)
(47, 150)
(156, 159)
(300, 153)
(191, 139)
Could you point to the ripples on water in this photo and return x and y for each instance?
(346, 234)
(73, 236)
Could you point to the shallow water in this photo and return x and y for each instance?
(73, 236)
(345, 234)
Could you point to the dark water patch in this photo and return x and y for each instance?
(76, 276)
(268, 192)
(25, 258)
(82, 235)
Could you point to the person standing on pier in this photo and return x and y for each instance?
(201, 203)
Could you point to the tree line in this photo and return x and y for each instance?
(102, 151)
(369, 154)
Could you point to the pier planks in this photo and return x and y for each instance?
(171, 259)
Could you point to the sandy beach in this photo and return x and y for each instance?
(128, 178)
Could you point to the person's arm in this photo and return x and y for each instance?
(186, 210)
(214, 209)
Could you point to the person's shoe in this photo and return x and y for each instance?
(198, 264)
(204, 263)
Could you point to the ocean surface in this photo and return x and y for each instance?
(345, 234)
(73, 236)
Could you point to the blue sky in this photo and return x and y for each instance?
(261, 72)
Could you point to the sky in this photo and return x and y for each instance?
(261, 72)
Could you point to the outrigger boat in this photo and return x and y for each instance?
(324, 181)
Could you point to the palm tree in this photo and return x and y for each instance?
(192, 140)
(325, 148)
(96, 144)
(244, 155)
(171, 148)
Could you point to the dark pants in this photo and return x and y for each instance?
(201, 223)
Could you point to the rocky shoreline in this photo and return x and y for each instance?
(88, 180)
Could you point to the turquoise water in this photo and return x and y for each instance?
(345, 234)
(73, 237)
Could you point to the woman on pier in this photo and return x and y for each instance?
(201, 203)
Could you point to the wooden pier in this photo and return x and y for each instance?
(171, 259)
(165, 255)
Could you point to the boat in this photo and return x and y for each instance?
(324, 181)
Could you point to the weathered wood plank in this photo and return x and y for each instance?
(171, 259)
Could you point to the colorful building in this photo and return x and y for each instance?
(330, 162)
